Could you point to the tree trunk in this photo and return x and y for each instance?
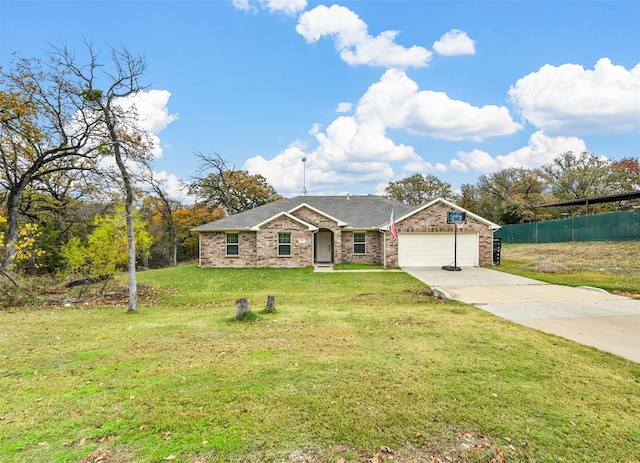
(131, 237)
(242, 307)
(271, 304)
(174, 240)
(11, 236)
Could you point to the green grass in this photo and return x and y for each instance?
(357, 267)
(613, 266)
(349, 365)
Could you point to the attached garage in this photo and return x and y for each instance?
(437, 249)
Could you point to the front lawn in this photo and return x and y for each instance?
(352, 367)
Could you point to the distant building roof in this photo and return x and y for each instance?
(594, 200)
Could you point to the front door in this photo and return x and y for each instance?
(323, 246)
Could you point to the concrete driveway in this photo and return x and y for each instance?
(590, 316)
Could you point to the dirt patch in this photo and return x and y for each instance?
(115, 297)
(546, 267)
(623, 256)
(631, 294)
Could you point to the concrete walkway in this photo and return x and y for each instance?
(590, 316)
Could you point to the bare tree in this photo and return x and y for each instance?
(118, 134)
(230, 189)
(165, 207)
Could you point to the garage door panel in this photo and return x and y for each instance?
(437, 249)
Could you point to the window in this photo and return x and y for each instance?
(359, 243)
(284, 244)
(233, 247)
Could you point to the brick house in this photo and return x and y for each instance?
(310, 230)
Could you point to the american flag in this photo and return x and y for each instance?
(392, 226)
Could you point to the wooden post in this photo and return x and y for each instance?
(242, 307)
(271, 304)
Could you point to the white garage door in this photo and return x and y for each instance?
(437, 249)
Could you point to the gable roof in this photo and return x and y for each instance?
(352, 212)
(285, 214)
(339, 222)
(355, 212)
(416, 209)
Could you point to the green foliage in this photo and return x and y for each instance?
(105, 249)
(27, 252)
(418, 189)
(511, 194)
(92, 95)
(571, 176)
(104, 148)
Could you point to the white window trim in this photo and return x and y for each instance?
(363, 243)
(227, 244)
(290, 244)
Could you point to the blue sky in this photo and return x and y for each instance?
(367, 91)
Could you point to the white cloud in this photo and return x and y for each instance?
(243, 5)
(455, 42)
(348, 152)
(284, 172)
(353, 41)
(152, 114)
(173, 187)
(344, 107)
(356, 148)
(459, 166)
(398, 102)
(569, 98)
(288, 7)
(540, 150)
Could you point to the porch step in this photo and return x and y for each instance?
(323, 268)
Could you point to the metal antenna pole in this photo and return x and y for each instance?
(304, 176)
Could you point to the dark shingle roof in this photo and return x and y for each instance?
(359, 212)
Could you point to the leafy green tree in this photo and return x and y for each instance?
(231, 190)
(63, 204)
(26, 249)
(509, 196)
(572, 176)
(629, 169)
(418, 189)
(468, 198)
(188, 218)
(106, 248)
(40, 134)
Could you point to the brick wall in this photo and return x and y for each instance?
(261, 249)
(213, 250)
(301, 244)
(320, 221)
(373, 248)
(434, 219)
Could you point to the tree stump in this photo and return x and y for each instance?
(271, 304)
(242, 307)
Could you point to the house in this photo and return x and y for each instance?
(309, 230)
